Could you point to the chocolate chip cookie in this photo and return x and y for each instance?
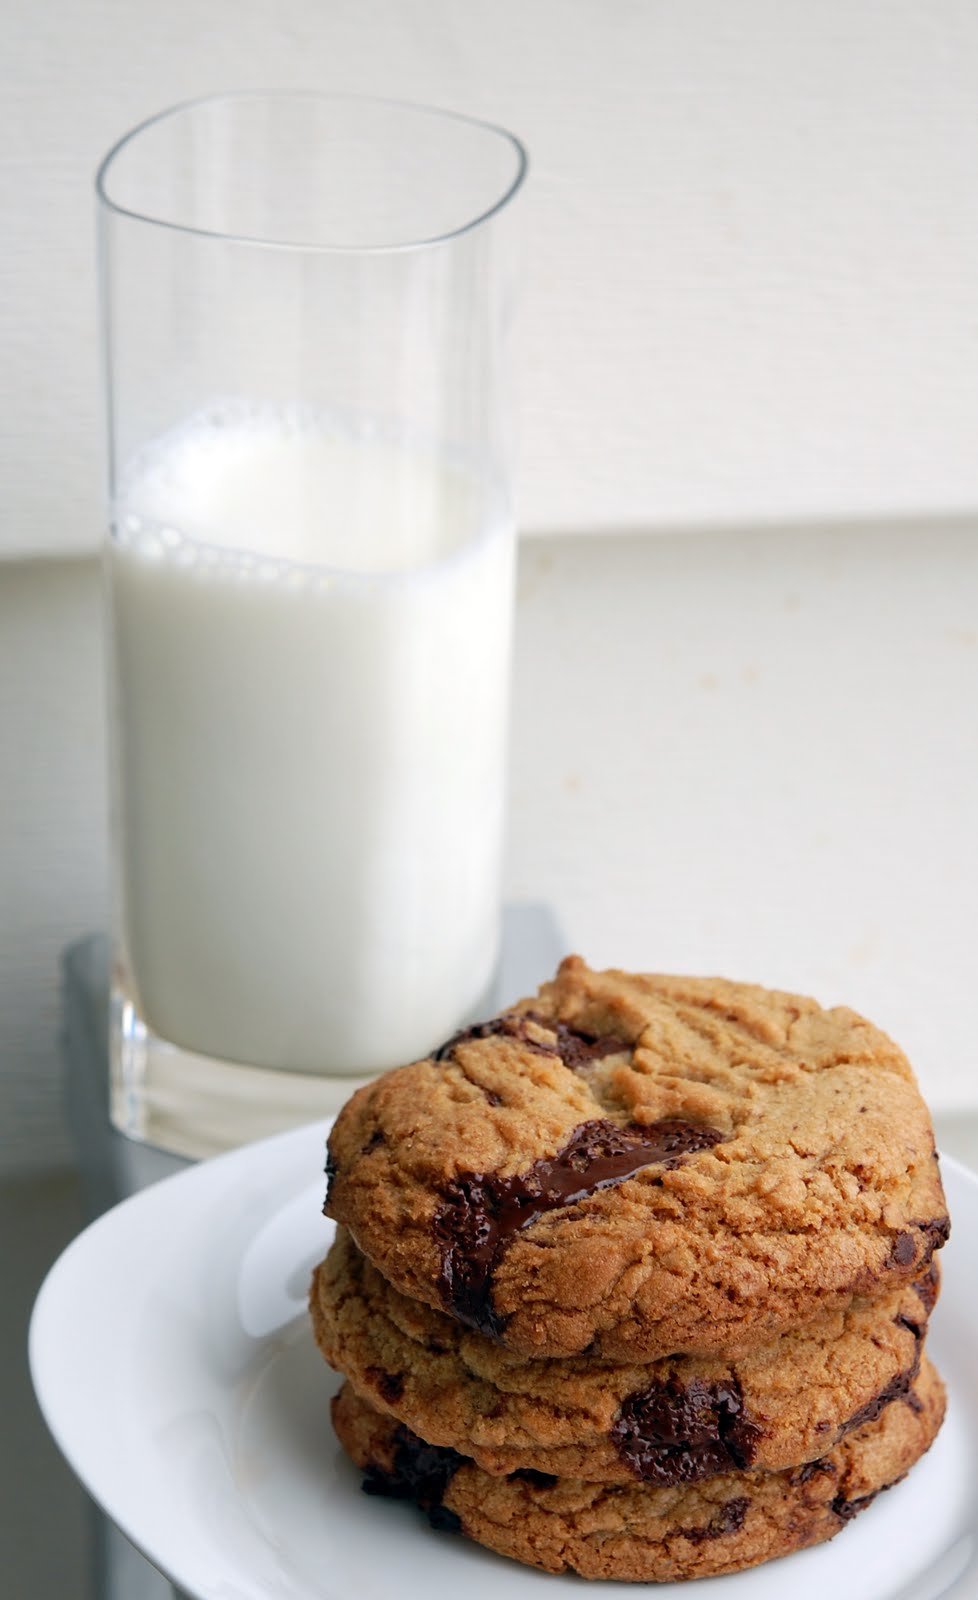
(642, 1532)
(680, 1420)
(640, 1166)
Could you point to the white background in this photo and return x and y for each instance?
(753, 254)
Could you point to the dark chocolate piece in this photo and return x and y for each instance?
(810, 1470)
(729, 1519)
(900, 1386)
(508, 1026)
(670, 1433)
(936, 1233)
(575, 1048)
(331, 1170)
(419, 1472)
(912, 1326)
(845, 1509)
(928, 1287)
(482, 1212)
(578, 1049)
(389, 1385)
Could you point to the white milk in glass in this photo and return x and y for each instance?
(311, 631)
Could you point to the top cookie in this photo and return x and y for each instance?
(640, 1165)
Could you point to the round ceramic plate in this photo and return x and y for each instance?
(175, 1368)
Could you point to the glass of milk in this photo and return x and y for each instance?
(306, 301)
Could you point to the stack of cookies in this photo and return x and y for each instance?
(634, 1279)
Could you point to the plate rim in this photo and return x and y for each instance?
(44, 1322)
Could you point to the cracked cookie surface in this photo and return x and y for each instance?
(637, 1165)
(640, 1532)
(680, 1420)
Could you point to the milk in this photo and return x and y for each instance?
(311, 635)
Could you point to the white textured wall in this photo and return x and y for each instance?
(753, 235)
(757, 755)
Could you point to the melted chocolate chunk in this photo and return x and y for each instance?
(729, 1519)
(419, 1472)
(927, 1288)
(575, 1048)
(912, 1326)
(936, 1233)
(482, 1212)
(389, 1385)
(903, 1250)
(899, 1387)
(810, 1470)
(331, 1170)
(670, 1433)
(507, 1027)
(845, 1509)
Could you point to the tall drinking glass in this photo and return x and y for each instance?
(306, 302)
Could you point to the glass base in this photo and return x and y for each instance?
(196, 1106)
(193, 1106)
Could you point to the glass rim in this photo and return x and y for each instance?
(255, 241)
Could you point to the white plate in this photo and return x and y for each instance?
(175, 1368)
